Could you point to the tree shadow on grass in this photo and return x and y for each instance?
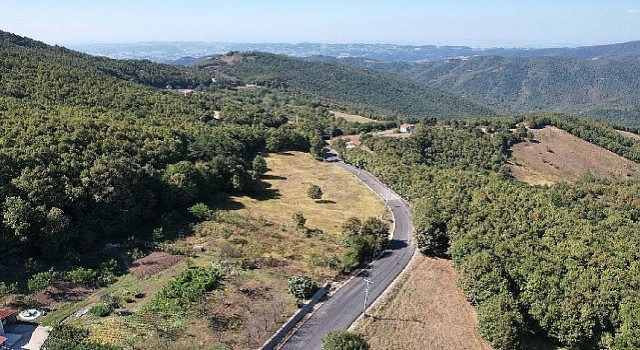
(325, 201)
(273, 177)
(224, 202)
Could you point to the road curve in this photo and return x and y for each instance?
(344, 306)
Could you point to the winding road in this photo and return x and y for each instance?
(344, 306)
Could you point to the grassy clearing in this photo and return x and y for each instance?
(352, 117)
(559, 156)
(290, 176)
(259, 246)
(425, 310)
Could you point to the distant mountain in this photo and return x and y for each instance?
(384, 93)
(173, 52)
(607, 89)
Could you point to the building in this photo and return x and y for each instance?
(352, 144)
(407, 128)
(6, 317)
(186, 92)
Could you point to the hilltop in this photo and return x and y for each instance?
(367, 90)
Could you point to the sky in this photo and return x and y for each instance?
(477, 23)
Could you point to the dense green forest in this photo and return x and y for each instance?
(92, 152)
(370, 93)
(558, 261)
(605, 89)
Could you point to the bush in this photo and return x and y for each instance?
(41, 280)
(302, 287)
(190, 286)
(83, 275)
(201, 212)
(314, 192)
(298, 219)
(106, 307)
(6, 289)
(344, 340)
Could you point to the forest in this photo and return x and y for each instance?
(557, 261)
(603, 88)
(91, 147)
(369, 93)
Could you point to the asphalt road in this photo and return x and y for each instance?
(343, 307)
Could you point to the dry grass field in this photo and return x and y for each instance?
(291, 174)
(559, 156)
(258, 242)
(352, 117)
(424, 310)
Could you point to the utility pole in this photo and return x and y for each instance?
(366, 297)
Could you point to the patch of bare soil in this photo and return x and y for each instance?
(59, 293)
(629, 134)
(153, 263)
(558, 156)
(424, 310)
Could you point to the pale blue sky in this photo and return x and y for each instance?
(457, 22)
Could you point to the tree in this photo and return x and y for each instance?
(344, 340)
(351, 226)
(317, 144)
(301, 287)
(298, 219)
(314, 192)
(259, 166)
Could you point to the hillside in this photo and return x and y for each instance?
(367, 90)
(601, 89)
(551, 263)
(558, 156)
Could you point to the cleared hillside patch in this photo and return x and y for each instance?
(558, 156)
(629, 134)
(352, 117)
(425, 310)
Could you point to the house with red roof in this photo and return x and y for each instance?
(6, 317)
(407, 128)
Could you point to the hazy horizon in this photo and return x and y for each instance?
(494, 23)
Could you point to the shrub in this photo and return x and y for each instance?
(6, 289)
(106, 307)
(41, 280)
(344, 340)
(298, 219)
(302, 287)
(201, 212)
(314, 192)
(190, 286)
(83, 275)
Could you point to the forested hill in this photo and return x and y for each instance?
(141, 71)
(602, 89)
(89, 155)
(369, 90)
